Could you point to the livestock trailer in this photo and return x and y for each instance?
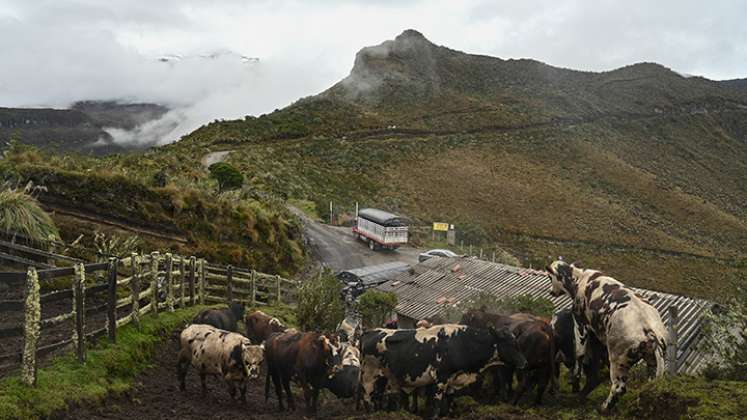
(380, 229)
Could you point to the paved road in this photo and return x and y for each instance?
(337, 249)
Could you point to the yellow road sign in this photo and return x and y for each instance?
(443, 227)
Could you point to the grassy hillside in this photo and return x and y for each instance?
(84, 194)
(638, 171)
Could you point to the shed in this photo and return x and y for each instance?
(423, 291)
(373, 275)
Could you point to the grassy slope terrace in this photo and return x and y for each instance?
(232, 228)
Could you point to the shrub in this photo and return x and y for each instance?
(726, 338)
(504, 306)
(20, 212)
(228, 177)
(319, 305)
(375, 306)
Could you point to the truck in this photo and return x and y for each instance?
(380, 229)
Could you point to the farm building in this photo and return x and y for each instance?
(371, 276)
(424, 290)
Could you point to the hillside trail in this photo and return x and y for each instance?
(119, 224)
(214, 157)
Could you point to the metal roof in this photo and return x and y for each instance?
(382, 217)
(374, 274)
(423, 291)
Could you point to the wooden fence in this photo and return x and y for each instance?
(128, 289)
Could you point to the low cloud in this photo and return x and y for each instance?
(58, 52)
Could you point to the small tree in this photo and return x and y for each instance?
(375, 306)
(319, 305)
(228, 177)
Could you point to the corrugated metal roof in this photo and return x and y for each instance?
(374, 274)
(423, 291)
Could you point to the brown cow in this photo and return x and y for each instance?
(532, 334)
(537, 342)
(310, 358)
(259, 326)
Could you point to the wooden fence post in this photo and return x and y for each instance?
(201, 288)
(31, 327)
(135, 286)
(277, 288)
(254, 288)
(229, 285)
(192, 275)
(169, 267)
(79, 302)
(182, 285)
(154, 282)
(672, 347)
(111, 303)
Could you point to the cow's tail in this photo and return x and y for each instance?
(659, 347)
(660, 352)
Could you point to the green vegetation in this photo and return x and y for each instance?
(376, 306)
(238, 229)
(503, 306)
(228, 177)
(109, 368)
(726, 337)
(319, 305)
(20, 212)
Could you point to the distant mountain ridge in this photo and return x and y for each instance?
(608, 167)
(80, 128)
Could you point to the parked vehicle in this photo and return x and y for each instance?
(380, 229)
(443, 253)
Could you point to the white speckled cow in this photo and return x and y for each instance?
(218, 352)
(623, 321)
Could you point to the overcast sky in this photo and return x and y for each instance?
(56, 52)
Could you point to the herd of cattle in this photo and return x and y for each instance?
(383, 367)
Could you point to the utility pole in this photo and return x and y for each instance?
(330, 212)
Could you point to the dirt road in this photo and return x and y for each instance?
(336, 248)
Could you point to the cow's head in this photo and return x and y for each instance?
(252, 358)
(508, 348)
(561, 277)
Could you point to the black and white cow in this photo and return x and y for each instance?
(578, 351)
(345, 378)
(624, 322)
(441, 359)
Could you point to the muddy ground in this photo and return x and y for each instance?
(156, 395)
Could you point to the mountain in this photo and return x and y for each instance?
(637, 171)
(82, 128)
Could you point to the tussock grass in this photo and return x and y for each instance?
(20, 212)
